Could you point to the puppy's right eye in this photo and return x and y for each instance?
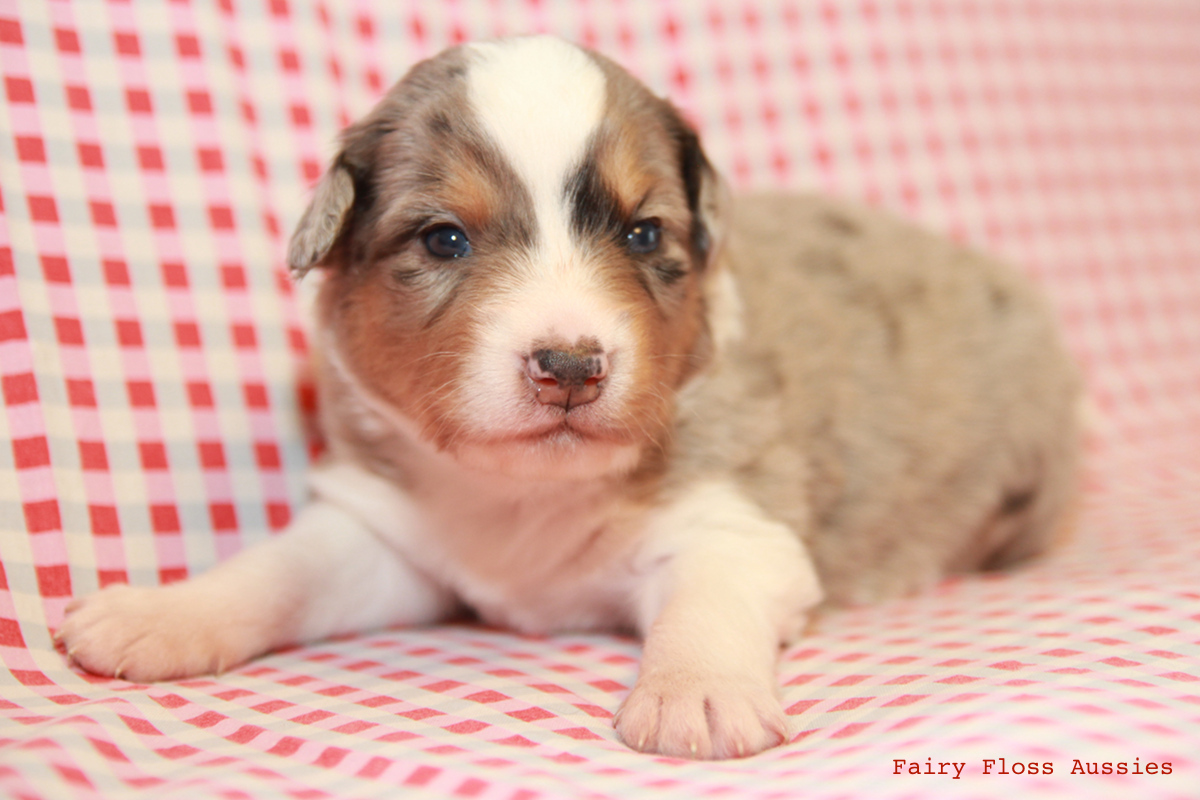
(644, 236)
(447, 241)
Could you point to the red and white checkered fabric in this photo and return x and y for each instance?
(152, 157)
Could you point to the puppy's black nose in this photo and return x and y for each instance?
(567, 378)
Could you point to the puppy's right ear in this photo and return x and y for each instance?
(323, 221)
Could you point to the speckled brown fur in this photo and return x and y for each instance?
(903, 402)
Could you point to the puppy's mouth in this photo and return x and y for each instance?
(568, 428)
(570, 447)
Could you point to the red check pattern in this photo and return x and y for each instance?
(152, 158)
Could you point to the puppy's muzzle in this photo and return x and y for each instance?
(567, 378)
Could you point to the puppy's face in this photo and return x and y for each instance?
(517, 240)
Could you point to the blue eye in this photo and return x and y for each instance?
(644, 236)
(447, 241)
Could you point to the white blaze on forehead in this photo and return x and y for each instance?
(539, 98)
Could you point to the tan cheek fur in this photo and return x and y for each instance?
(380, 337)
(672, 344)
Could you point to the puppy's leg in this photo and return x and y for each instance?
(326, 574)
(724, 587)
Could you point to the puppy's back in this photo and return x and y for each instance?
(912, 409)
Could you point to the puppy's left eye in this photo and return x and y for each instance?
(644, 236)
(447, 241)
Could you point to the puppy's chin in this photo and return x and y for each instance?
(564, 456)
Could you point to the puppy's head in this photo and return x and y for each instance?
(518, 241)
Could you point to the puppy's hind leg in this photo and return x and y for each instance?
(326, 574)
(723, 587)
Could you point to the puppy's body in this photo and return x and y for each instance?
(545, 397)
(916, 389)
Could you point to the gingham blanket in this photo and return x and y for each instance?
(153, 156)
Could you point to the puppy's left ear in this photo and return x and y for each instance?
(323, 221)
(708, 200)
(707, 196)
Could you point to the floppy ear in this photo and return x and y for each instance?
(706, 194)
(323, 221)
(708, 200)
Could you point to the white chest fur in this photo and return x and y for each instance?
(537, 557)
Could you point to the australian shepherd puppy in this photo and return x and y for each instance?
(565, 386)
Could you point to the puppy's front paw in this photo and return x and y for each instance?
(149, 634)
(701, 716)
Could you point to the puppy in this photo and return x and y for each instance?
(564, 386)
